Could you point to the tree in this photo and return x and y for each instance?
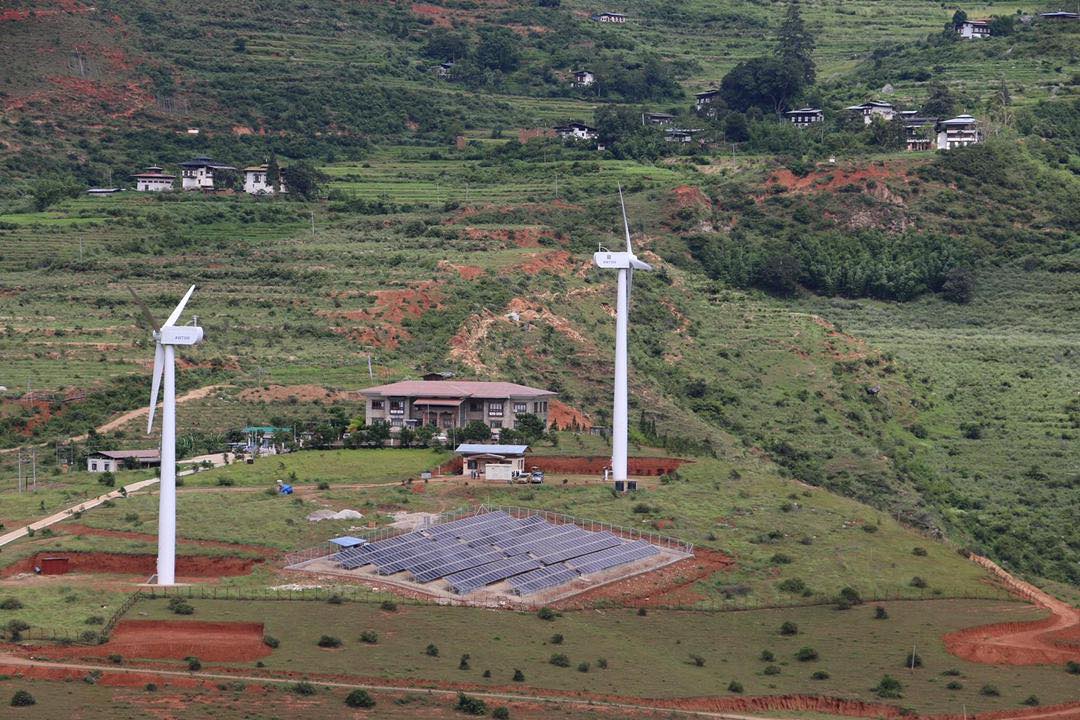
(795, 44)
(443, 44)
(959, 285)
(377, 433)
(22, 698)
(498, 49)
(764, 83)
(1001, 25)
(273, 172)
(303, 180)
(941, 102)
(780, 273)
(476, 431)
(735, 128)
(888, 134)
(50, 191)
(360, 699)
(529, 427)
(959, 18)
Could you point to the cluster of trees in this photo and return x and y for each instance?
(528, 430)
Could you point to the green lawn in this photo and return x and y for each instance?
(336, 467)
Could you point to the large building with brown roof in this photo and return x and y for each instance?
(454, 403)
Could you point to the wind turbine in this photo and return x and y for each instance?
(166, 338)
(625, 263)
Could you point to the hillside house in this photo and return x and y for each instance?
(492, 462)
(97, 191)
(583, 78)
(264, 439)
(257, 183)
(454, 403)
(445, 71)
(1059, 15)
(682, 135)
(116, 460)
(872, 109)
(960, 131)
(153, 179)
(657, 118)
(703, 101)
(919, 131)
(609, 17)
(198, 173)
(974, 29)
(576, 131)
(804, 117)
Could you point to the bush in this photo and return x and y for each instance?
(792, 585)
(767, 656)
(601, 663)
(431, 651)
(559, 660)
(11, 604)
(463, 664)
(951, 672)
(270, 641)
(388, 606)
(919, 551)
(954, 685)
(518, 676)
(369, 636)
(918, 582)
(329, 641)
(820, 675)
(735, 686)
(1032, 700)
(22, 698)
(849, 597)
(780, 559)
(697, 660)
(1072, 667)
(881, 613)
(583, 667)
(889, 688)
(989, 691)
(771, 670)
(323, 485)
(360, 699)
(193, 663)
(789, 628)
(335, 599)
(642, 612)
(303, 688)
(557, 639)
(180, 606)
(470, 705)
(546, 613)
(913, 661)
(151, 687)
(94, 620)
(806, 654)
(501, 713)
(116, 659)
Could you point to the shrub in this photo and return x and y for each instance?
(180, 606)
(889, 688)
(151, 687)
(431, 651)
(989, 691)
(735, 686)
(918, 582)
(954, 685)
(559, 660)
(94, 620)
(193, 663)
(518, 676)
(546, 613)
(771, 670)
(225, 482)
(270, 641)
(329, 641)
(789, 628)
(369, 636)
(360, 699)
(1072, 667)
(22, 698)
(697, 660)
(335, 599)
(303, 688)
(919, 551)
(470, 705)
(601, 663)
(116, 659)
(881, 613)
(642, 612)
(323, 485)
(557, 639)
(388, 606)
(792, 585)
(913, 660)
(15, 629)
(850, 596)
(501, 713)
(767, 656)
(10, 604)
(583, 667)
(463, 664)
(806, 654)
(820, 675)
(780, 559)
(1032, 700)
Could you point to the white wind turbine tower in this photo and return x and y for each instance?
(167, 337)
(625, 263)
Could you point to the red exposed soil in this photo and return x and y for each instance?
(465, 272)
(833, 178)
(390, 309)
(565, 416)
(175, 640)
(1052, 640)
(689, 196)
(187, 566)
(672, 585)
(147, 537)
(559, 262)
(520, 237)
(124, 679)
(439, 15)
(302, 393)
(594, 465)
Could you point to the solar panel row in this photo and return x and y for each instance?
(473, 578)
(541, 578)
(612, 557)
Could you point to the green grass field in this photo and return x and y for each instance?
(352, 467)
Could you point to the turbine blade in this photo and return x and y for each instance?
(625, 222)
(148, 317)
(159, 368)
(639, 264)
(179, 308)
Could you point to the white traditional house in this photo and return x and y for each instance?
(918, 131)
(492, 462)
(1059, 15)
(804, 117)
(583, 78)
(153, 179)
(454, 403)
(257, 183)
(960, 131)
(116, 460)
(576, 131)
(872, 109)
(657, 118)
(974, 29)
(198, 173)
(704, 100)
(445, 70)
(682, 135)
(609, 17)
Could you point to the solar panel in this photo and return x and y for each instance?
(573, 550)
(469, 580)
(535, 580)
(612, 557)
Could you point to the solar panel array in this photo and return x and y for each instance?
(473, 552)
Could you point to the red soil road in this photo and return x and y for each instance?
(187, 566)
(1050, 641)
(174, 640)
(594, 464)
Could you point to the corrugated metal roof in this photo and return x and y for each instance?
(125, 454)
(455, 389)
(474, 449)
(348, 541)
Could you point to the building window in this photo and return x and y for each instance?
(93, 466)
(496, 424)
(376, 404)
(521, 408)
(476, 406)
(397, 407)
(395, 422)
(495, 409)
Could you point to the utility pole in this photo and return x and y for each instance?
(20, 481)
(556, 186)
(33, 452)
(312, 223)
(80, 250)
(370, 373)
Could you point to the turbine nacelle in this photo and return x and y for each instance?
(180, 335)
(618, 260)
